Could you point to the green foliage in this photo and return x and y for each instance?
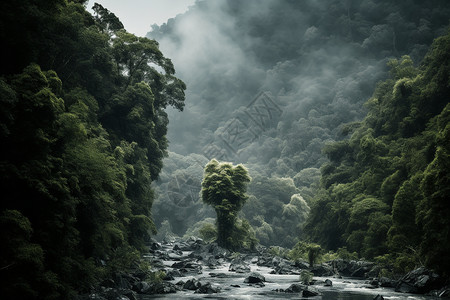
(224, 187)
(306, 251)
(276, 210)
(386, 188)
(76, 185)
(243, 236)
(278, 251)
(208, 232)
(306, 277)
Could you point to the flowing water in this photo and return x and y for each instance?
(233, 287)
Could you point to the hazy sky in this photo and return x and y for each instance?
(138, 15)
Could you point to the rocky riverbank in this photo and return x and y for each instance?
(194, 267)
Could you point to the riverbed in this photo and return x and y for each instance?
(232, 286)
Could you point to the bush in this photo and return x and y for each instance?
(208, 232)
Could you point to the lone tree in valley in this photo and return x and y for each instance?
(224, 187)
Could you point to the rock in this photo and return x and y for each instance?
(235, 285)
(124, 281)
(211, 262)
(188, 265)
(155, 246)
(285, 267)
(301, 265)
(207, 288)
(354, 268)
(171, 274)
(239, 266)
(374, 282)
(360, 273)
(131, 295)
(141, 287)
(295, 288)
(444, 292)
(175, 256)
(195, 243)
(218, 252)
(328, 282)
(378, 297)
(418, 281)
(255, 277)
(161, 288)
(192, 284)
(113, 294)
(386, 282)
(219, 275)
(310, 292)
(322, 270)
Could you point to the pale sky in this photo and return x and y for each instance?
(138, 15)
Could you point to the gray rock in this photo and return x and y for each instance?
(328, 282)
(207, 288)
(295, 288)
(255, 277)
(141, 287)
(239, 266)
(386, 282)
(322, 270)
(192, 284)
(418, 281)
(310, 292)
(161, 288)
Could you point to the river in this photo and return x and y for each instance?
(232, 286)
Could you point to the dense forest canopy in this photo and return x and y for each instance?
(339, 111)
(83, 135)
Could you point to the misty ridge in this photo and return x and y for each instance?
(309, 67)
(309, 138)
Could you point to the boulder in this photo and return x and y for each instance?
(353, 268)
(188, 265)
(328, 282)
(239, 266)
(386, 282)
(171, 274)
(207, 288)
(217, 252)
(378, 297)
(192, 284)
(141, 287)
(255, 277)
(163, 287)
(310, 292)
(322, 270)
(131, 295)
(419, 281)
(265, 261)
(295, 288)
(212, 262)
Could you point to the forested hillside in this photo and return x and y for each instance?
(310, 125)
(82, 134)
(316, 64)
(385, 190)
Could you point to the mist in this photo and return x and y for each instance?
(270, 83)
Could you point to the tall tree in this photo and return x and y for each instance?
(224, 188)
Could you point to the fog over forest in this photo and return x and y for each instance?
(269, 84)
(241, 139)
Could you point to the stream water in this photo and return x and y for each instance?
(232, 286)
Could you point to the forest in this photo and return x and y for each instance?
(304, 126)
